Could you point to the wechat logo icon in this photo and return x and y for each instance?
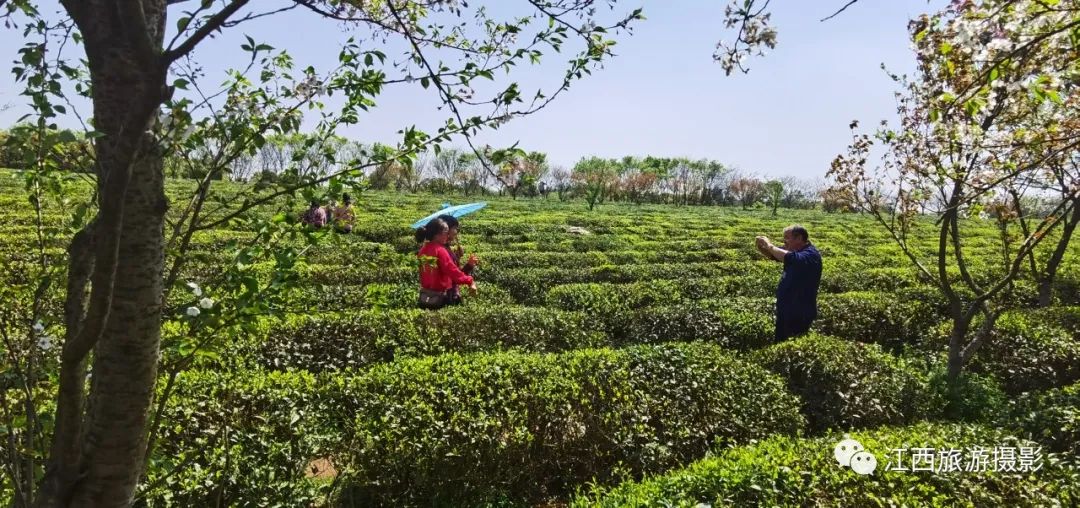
(850, 453)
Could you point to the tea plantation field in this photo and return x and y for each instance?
(630, 366)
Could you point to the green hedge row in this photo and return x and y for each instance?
(240, 439)
(361, 339)
(1051, 417)
(460, 429)
(881, 318)
(608, 315)
(844, 384)
(508, 259)
(469, 430)
(787, 471)
(530, 285)
(671, 310)
(735, 329)
(1028, 350)
(358, 339)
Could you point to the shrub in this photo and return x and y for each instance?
(355, 275)
(245, 439)
(364, 338)
(838, 279)
(1028, 351)
(787, 471)
(973, 397)
(382, 232)
(878, 318)
(695, 321)
(846, 384)
(469, 430)
(610, 304)
(345, 297)
(1051, 417)
(743, 285)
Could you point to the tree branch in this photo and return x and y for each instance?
(842, 9)
(448, 98)
(981, 336)
(214, 23)
(63, 466)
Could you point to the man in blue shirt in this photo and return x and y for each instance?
(796, 295)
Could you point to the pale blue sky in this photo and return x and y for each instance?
(662, 95)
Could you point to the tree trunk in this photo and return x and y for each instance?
(956, 364)
(122, 325)
(1046, 281)
(960, 327)
(125, 359)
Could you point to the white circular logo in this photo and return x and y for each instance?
(863, 463)
(845, 449)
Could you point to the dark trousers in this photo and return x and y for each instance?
(451, 297)
(791, 326)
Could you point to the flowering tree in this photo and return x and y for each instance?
(754, 35)
(519, 171)
(992, 113)
(147, 103)
(746, 191)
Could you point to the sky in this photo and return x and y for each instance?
(662, 95)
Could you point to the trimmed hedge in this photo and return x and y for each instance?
(468, 430)
(530, 285)
(335, 297)
(240, 439)
(878, 318)
(785, 471)
(730, 328)
(329, 342)
(1030, 351)
(600, 299)
(846, 384)
(836, 278)
(610, 305)
(1051, 417)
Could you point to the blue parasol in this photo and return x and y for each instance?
(456, 211)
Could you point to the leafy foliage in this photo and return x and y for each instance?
(785, 471)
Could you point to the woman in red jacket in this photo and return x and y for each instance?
(438, 270)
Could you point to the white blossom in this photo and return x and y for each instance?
(195, 289)
(1000, 44)
(206, 303)
(38, 327)
(45, 342)
(193, 311)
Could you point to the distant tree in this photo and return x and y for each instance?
(596, 177)
(774, 194)
(746, 191)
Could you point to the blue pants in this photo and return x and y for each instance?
(791, 326)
